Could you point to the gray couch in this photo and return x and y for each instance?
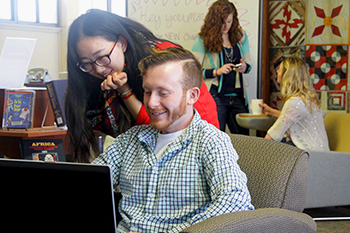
(329, 172)
(328, 179)
(277, 180)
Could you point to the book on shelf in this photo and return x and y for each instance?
(18, 108)
(56, 89)
(43, 149)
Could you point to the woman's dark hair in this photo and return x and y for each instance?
(83, 92)
(211, 31)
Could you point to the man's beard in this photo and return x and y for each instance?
(163, 124)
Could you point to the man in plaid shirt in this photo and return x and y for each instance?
(179, 170)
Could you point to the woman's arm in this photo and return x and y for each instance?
(199, 51)
(293, 110)
(132, 103)
(267, 136)
(266, 109)
(246, 54)
(118, 81)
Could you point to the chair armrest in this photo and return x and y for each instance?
(257, 221)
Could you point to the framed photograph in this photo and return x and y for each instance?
(18, 109)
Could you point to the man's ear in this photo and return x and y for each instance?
(123, 43)
(193, 95)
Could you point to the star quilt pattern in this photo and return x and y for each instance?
(327, 22)
(287, 20)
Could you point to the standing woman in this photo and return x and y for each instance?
(301, 118)
(104, 91)
(223, 49)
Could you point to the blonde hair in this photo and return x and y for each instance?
(296, 81)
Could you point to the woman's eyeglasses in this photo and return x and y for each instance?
(102, 61)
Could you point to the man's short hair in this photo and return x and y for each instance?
(192, 69)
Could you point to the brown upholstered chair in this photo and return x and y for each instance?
(277, 181)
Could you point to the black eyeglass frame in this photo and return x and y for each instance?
(81, 65)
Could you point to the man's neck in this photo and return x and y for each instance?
(185, 120)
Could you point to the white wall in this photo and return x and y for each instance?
(69, 12)
(47, 50)
(180, 21)
(51, 47)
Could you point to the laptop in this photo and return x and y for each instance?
(38, 196)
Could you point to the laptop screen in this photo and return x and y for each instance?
(41, 196)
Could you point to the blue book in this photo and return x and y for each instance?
(18, 109)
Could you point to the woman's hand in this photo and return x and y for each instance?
(118, 81)
(288, 138)
(225, 69)
(267, 110)
(115, 81)
(267, 136)
(242, 68)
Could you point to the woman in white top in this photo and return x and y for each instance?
(301, 118)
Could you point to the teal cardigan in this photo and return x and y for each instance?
(212, 60)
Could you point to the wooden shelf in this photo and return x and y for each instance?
(10, 138)
(32, 133)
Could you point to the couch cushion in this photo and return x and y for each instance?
(257, 221)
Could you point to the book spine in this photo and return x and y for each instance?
(56, 108)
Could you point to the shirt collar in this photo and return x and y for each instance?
(149, 135)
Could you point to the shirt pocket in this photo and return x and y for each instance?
(181, 186)
(132, 177)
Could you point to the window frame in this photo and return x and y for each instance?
(14, 16)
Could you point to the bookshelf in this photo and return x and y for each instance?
(10, 138)
(32, 133)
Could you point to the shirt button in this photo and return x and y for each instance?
(133, 229)
(151, 195)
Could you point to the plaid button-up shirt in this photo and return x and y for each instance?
(197, 178)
